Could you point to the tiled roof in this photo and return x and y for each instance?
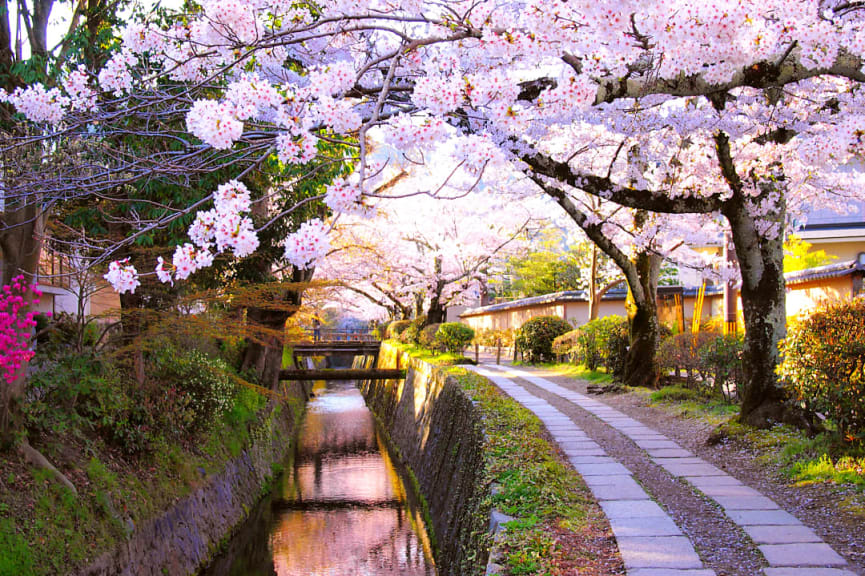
(574, 296)
(836, 270)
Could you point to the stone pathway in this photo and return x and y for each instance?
(650, 542)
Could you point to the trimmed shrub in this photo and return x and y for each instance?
(397, 327)
(536, 336)
(427, 337)
(381, 330)
(681, 353)
(454, 337)
(601, 342)
(566, 344)
(618, 341)
(492, 337)
(824, 364)
(722, 358)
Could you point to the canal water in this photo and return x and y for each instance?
(341, 508)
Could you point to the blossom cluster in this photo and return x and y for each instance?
(343, 196)
(306, 247)
(17, 319)
(122, 276)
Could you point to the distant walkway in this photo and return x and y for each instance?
(650, 541)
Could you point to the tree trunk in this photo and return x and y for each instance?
(263, 353)
(21, 246)
(436, 312)
(761, 261)
(593, 296)
(641, 363)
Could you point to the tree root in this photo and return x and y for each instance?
(35, 458)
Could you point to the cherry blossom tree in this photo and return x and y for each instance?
(421, 254)
(748, 110)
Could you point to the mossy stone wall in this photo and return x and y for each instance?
(186, 537)
(438, 432)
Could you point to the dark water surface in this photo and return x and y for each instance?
(341, 508)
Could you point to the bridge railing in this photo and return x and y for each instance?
(342, 335)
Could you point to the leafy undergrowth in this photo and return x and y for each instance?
(46, 529)
(559, 527)
(437, 358)
(806, 460)
(690, 403)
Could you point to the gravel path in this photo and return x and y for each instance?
(735, 529)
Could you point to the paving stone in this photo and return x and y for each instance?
(591, 459)
(762, 518)
(635, 430)
(671, 572)
(651, 443)
(781, 534)
(704, 469)
(745, 503)
(620, 491)
(627, 424)
(669, 453)
(632, 509)
(681, 460)
(571, 434)
(630, 527)
(658, 552)
(600, 469)
(585, 452)
(802, 554)
(592, 481)
(577, 444)
(709, 481)
(728, 490)
(806, 572)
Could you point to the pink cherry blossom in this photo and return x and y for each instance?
(122, 276)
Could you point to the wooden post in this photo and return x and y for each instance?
(476, 353)
(498, 350)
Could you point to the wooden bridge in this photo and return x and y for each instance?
(343, 343)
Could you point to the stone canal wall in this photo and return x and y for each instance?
(185, 538)
(438, 433)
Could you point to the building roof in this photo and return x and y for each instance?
(836, 270)
(578, 296)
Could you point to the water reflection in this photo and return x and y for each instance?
(342, 508)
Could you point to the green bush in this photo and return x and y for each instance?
(199, 386)
(618, 341)
(493, 337)
(566, 344)
(427, 337)
(381, 330)
(397, 327)
(824, 364)
(722, 358)
(681, 353)
(601, 342)
(73, 391)
(411, 335)
(536, 336)
(454, 336)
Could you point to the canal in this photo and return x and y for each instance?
(342, 507)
